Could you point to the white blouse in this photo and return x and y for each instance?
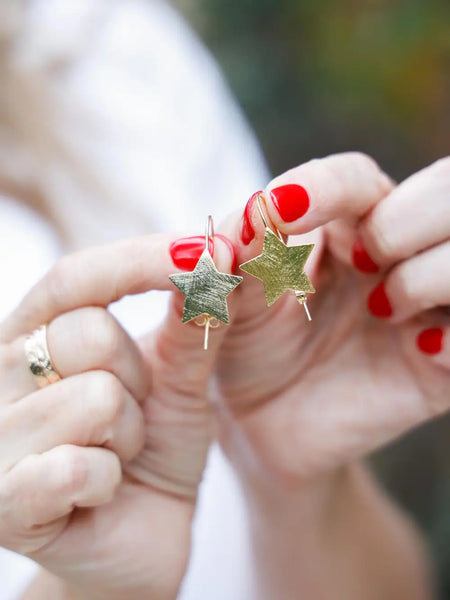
(165, 134)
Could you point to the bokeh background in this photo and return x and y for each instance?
(323, 76)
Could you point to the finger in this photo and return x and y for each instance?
(340, 186)
(253, 306)
(413, 286)
(413, 217)
(93, 277)
(434, 342)
(299, 201)
(93, 409)
(189, 337)
(41, 491)
(86, 339)
(178, 415)
(180, 346)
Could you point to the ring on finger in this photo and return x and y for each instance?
(38, 357)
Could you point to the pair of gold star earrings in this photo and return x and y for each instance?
(279, 267)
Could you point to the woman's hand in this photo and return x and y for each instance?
(99, 471)
(308, 397)
(300, 401)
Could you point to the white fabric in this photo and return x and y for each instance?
(164, 133)
(145, 112)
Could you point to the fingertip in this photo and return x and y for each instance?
(430, 341)
(378, 302)
(291, 201)
(247, 229)
(361, 259)
(185, 252)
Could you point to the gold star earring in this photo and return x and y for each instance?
(280, 267)
(206, 290)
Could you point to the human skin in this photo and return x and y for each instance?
(302, 402)
(99, 471)
(293, 422)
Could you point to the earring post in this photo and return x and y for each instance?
(206, 338)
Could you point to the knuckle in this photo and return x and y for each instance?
(111, 396)
(74, 471)
(377, 231)
(59, 282)
(369, 166)
(101, 333)
(364, 160)
(332, 168)
(29, 503)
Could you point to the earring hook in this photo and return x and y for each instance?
(209, 232)
(264, 220)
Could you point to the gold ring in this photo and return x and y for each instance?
(38, 357)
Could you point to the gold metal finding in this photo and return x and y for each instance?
(205, 290)
(280, 267)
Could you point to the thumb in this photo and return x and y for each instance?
(178, 412)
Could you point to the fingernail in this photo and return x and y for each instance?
(186, 252)
(362, 260)
(378, 302)
(232, 250)
(291, 201)
(247, 231)
(429, 341)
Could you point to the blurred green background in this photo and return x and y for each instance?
(316, 77)
(322, 76)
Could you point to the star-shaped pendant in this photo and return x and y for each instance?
(280, 267)
(205, 290)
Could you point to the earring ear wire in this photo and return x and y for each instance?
(260, 197)
(205, 320)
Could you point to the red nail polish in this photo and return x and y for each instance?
(247, 231)
(232, 250)
(378, 302)
(429, 341)
(362, 260)
(186, 252)
(291, 201)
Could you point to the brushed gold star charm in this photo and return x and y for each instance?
(206, 290)
(280, 267)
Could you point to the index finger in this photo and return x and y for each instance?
(339, 186)
(93, 277)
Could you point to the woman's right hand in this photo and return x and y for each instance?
(71, 495)
(309, 398)
(301, 403)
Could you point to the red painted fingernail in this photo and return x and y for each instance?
(362, 260)
(247, 231)
(232, 250)
(378, 302)
(291, 201)
(429, 341)
(186, 252)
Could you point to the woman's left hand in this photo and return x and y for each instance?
(137, 544)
